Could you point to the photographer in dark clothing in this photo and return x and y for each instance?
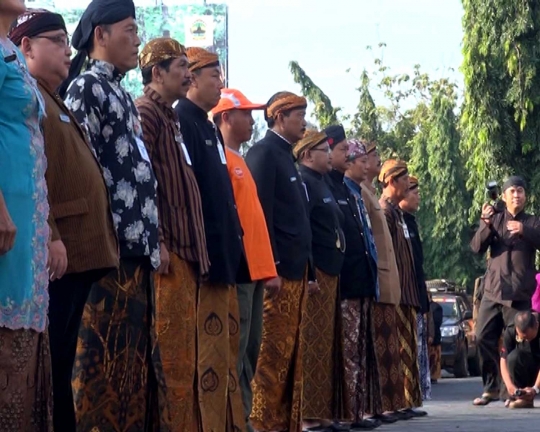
(513, 237)
(520, 360)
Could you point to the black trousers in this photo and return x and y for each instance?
(492, 320)
(523, 368)
(66, 304)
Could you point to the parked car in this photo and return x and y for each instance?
(459, 352)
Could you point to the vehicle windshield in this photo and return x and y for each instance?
(450, 309)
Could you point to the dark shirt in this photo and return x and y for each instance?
(284, 202)
(418, 256)
(359, 273)
(107, 112)
(328, 243)
(222, 226)
(179, 199)
(510, 343)
(511, 272)
(403, 250)
(437, 312)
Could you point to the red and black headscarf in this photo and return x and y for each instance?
(34, 22)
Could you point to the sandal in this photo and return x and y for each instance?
(484, 400)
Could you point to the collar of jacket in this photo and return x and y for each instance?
(305, 170)
(191, 108)
(106, 69)
(278, 140)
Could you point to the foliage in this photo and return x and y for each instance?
(324, 112)
(501, 112)
(416, 122)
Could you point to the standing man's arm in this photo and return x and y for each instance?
(151, 135)
(486, 232)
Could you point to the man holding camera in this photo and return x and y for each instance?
(520, 360)
(513, 237)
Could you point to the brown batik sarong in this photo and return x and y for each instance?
(362, 388)
(277, 386)
(218, 333)
(317, 339)
(388, 357)
(118, 379)
(176, 328)
(408, 348)
(25, 381)
(435, 361)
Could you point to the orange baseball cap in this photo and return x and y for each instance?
(234, 99)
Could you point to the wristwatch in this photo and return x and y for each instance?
(536, 390)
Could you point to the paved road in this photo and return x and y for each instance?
(451, 410)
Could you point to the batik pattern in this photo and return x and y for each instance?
(423, 357)
(408, 349)
(277, 386)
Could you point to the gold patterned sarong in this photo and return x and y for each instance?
(118, 381)
(435, 361)
(318, 331)
(218, 340)
(388, 359)
(277, 386)
(407, 333)
(176, 328)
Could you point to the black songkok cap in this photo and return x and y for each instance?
(514, 181)
(98, 12)
(335, 134)
(33, 22)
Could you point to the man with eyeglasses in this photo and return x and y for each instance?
(83, 246)
(520, 360)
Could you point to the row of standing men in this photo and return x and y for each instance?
(181, 278)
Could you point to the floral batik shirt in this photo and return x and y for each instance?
(108, 114)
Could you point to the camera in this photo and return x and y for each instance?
(493, 191)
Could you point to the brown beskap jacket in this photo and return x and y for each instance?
(80, 215)
(390, 290)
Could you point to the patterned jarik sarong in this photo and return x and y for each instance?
(435, 361)
(388, 357)
(176, 328)
(277, 386)
(118, 379)
(423, 356)
(318, 331)
(218, 341)
(26, 397)
(362, 387)
(406, 324)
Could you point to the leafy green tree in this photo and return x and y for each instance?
(501, 112)
(324, 111)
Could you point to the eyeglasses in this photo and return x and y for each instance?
(60, 40)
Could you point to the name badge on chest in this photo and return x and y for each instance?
(64, 118)
(142, 149)
(406, 230)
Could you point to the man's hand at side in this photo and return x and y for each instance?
(58, 261)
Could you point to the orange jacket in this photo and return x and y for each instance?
(256, 239)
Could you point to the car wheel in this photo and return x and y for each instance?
(460, 364)
(474, 365)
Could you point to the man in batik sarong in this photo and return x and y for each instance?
(218, 391)
(384, 310)
(410, 205)
(117, 378)
(277, 386)
(166, 78)
(318, 329)
(394, 178)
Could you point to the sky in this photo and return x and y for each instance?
(329, 37)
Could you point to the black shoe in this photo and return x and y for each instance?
(402, 415)
(363, 425)
(338, 427)
(385, 418)
(416, 412)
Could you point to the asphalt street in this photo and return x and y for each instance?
(451, 410)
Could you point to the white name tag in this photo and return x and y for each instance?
(293, 179)
(221, 153)
(406, 231)
(342, 202)
(186, 153)
(142, 149)
(64, 118)
(327, 200)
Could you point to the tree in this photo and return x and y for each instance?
(501, 112)
(324, 112)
